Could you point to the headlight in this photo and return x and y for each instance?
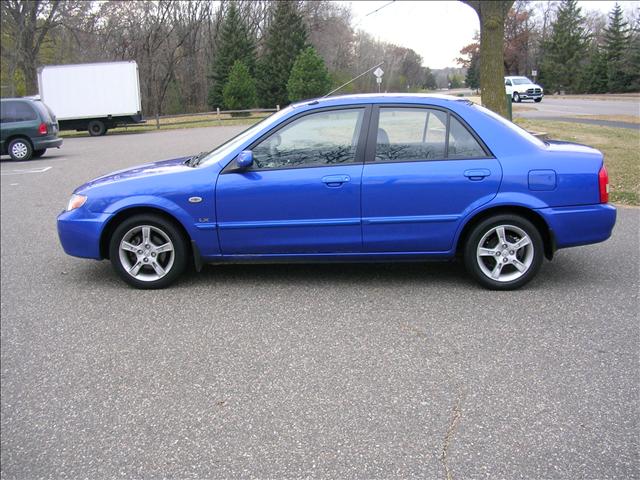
(76, 201)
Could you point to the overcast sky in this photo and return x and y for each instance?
(436, 30)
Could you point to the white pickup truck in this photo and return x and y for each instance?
(521, 88)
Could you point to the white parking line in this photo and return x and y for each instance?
(26, 170)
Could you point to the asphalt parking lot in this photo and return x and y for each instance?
(305, 371)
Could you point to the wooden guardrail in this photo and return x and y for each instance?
(220, 115)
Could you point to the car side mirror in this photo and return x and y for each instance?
(244, 160)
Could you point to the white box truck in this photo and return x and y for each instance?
(92, 96)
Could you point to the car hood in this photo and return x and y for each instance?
(527, 85)
(148, 169)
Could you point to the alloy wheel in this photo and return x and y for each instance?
(505, 253)
(146, 253)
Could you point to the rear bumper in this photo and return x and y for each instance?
(80, 230)
(580, 225)
(46, 142)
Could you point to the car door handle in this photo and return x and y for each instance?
(335, 180)
(477, 174)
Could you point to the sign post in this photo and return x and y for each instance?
(378, 72)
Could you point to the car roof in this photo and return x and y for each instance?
(376, 98)
(20, 99)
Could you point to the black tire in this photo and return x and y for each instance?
(537, 100)
(516, 97)
(530, 256)
(96, 128)
(39, 153)
(20, 150)
(161, 231)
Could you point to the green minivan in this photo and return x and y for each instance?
(27, 128)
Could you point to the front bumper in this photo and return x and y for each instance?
(580, 225)
(530, 96)
(80, 231)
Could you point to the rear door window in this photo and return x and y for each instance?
(17, 112)
(409, 134)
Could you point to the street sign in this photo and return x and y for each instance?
(378, 72)
(534, 73)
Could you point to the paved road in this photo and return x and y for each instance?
(335, 371)
(565, 107)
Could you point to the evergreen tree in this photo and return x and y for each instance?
(309, 76)
(285, 39)
(632, 58)
(239, 93)
(429, 79)
(234, 43)
(616, 41)
(594, 75)
(564, 51)
(472, 79)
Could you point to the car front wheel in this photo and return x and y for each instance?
(20, 149)
(148, 251)
(516, 97)
(504, 252)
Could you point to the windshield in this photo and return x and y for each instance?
(521, 81)
(223, 150)
(512, 126)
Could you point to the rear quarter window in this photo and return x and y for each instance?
(45, 112)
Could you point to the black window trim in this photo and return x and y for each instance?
(359, 157)
(372, 138)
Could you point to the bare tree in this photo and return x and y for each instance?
(28, 23)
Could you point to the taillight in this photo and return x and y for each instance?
(42, 129)
(603, 184)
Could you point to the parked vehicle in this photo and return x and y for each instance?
(92, 96)
(352, 178)
(27, 128)
(521, 88)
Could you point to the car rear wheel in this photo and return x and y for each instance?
(39, 153)
(20, 149)
(504, 252)
(148, 251)
(96, 128)
(516, 97)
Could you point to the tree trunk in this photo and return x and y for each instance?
(30, 70)
(492, 15)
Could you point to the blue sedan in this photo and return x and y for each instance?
(351, 178)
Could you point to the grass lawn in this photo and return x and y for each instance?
(620, 146)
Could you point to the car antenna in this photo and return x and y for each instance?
(352, 80)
